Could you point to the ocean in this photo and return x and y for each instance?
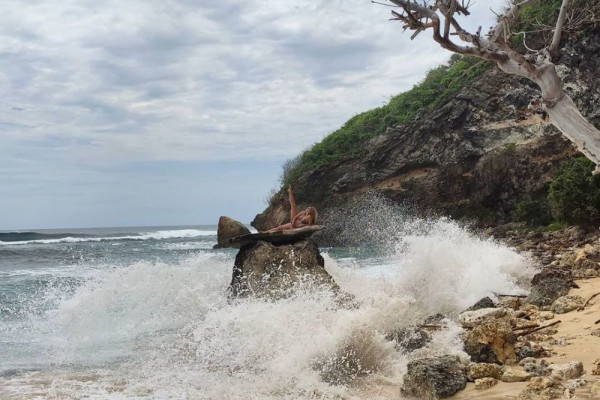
(142, 313)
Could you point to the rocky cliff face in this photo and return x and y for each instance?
(474, 157)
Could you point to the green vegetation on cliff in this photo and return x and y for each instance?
(575, 193)
(439, 84)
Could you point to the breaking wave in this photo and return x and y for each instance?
(166, 331)
(20, 238)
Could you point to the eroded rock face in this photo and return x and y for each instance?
(229, 228)
(267, 271)
(434, 378)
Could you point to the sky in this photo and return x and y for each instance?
(174, 112)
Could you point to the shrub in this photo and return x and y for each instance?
(533, 213)
(575, 193)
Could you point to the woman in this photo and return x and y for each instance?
(300, 219)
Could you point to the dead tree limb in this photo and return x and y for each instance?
(535, 65)
(587, 302)
(539, 328)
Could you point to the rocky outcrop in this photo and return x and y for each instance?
(434, 378)
(266, 270)
(474, 156)
(227, 229)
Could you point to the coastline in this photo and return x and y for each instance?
(579, 344)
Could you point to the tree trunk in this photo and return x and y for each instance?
(567, 118)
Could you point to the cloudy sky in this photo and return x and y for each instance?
(165, 112)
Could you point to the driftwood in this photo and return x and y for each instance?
(539, 328)
(280, 237)
(588, 301)
(520, 328)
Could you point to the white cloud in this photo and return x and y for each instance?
(198, 80)
(99, 97)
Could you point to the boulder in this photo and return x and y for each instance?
(568, 303)
(227, 229)
(410, 338)
(570, 370)
(268, 271)
(470, 319)
(542, 388)
(434, 378)
(485, 383)
(548, 285)
(483, 370)
(514, 375)
(486, 302)
(492, 342)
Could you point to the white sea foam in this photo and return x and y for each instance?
(158, 235)
(168, 332)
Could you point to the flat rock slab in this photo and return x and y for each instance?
(287, 236)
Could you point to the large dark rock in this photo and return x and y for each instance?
(266, 270)
(486, 302)
(548, 285)
(434, 378)
(229, 228)
(410, 338)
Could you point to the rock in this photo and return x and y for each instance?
(514, 375)
(268, 271)
(434, 378)
(575, 383)
(485, 383)
(529, 352)
(492, 342)
(486, 302)
(530, 365)
(595, 332)
(510, 302)
(546, 315)
(470, 319)
(548, 285)
(568, 303)
(227, 229)
(541, 388)
(570, 370)
(410, 338)
(483, 370)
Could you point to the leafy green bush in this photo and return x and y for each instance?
(575, 193)
(438, 85)
(533, 212)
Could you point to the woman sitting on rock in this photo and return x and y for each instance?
(306, 217)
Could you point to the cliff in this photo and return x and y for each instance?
(474, 156)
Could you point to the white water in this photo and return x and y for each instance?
(170, 234)
(161, 331)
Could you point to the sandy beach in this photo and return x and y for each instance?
(576, 343)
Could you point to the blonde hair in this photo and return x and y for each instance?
(313, 213)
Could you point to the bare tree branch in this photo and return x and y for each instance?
(560, 22)
(536, 65)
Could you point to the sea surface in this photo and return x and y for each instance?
(142, 313)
